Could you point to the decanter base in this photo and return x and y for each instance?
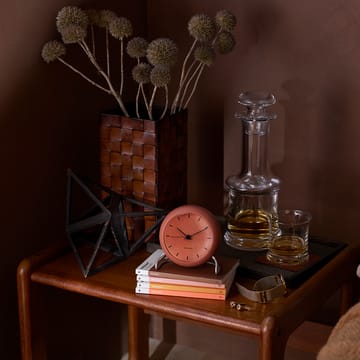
(248, 244)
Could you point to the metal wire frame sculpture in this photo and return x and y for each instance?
(100, 235)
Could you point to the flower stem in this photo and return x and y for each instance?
(195, 85)
(93, 40)
(145, 98)
(117, 96)
(181, 82)
(152, 102)
(84, 76)
(186, 60)
(188, 83)
(137, 101)
(107, 51)
(122, 66)
(166, 101)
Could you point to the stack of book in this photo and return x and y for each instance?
(173, 280)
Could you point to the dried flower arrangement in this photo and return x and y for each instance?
(153, 60)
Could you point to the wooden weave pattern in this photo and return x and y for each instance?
(145, 159)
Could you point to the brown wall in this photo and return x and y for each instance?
(306, 53)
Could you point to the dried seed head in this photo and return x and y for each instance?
(162, 51)
(71, 15)
(105, 18)
(205, 54)
(225, 20)
(93, 15)
(52, 50)
(225, 42)
(141, 73)
(202, 27)
(73, 34)
(136, 47)
(160, 75)
(120, 28)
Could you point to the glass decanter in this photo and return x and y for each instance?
(251, 214)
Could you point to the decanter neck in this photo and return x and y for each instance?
(255, 175)
(255, 147)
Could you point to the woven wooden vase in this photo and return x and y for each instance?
(145, 159)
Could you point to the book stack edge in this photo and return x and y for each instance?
(172, 280)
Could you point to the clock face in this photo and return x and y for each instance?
(189, 235)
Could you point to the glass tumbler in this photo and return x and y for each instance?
(291, 244)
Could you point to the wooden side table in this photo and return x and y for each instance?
(272, 323)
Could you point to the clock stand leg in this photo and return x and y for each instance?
(214, 262)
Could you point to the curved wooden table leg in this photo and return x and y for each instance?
(32, 342)
(272, 341)
(29, 305)
(138, 327)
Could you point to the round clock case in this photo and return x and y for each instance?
(189, 235)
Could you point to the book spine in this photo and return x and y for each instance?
(195, 289)
(187, 294)
(149, 263)
(164, 280)
(178, 276)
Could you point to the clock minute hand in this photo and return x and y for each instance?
(185, 235)
(198, 232)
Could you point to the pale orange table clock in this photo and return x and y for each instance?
(190, 235)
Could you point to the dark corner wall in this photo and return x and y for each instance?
(49, 121)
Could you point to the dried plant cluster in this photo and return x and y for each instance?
(153, 60)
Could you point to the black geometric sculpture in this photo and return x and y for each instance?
(103, 226)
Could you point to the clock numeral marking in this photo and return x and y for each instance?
(177, 254)
(171, 225)
(197, 255)
(187, 258)
(199, 218)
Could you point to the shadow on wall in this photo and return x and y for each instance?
(320, 171)
(336, 185)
